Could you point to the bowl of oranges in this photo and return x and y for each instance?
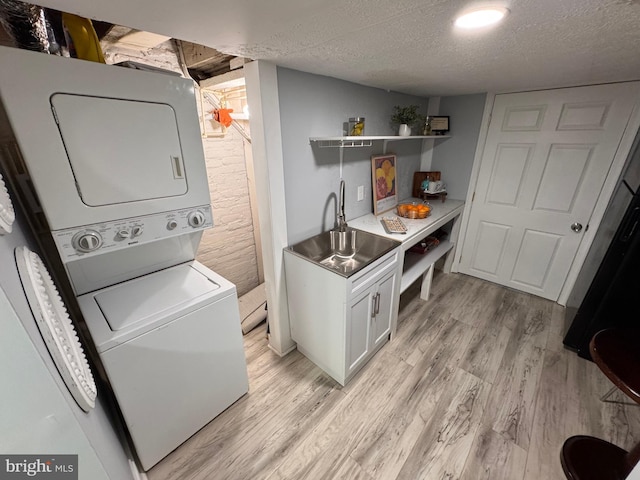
(414, 210)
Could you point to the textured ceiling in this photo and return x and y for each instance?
(408, 46)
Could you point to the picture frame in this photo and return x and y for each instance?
(439, 125)
(384, 183)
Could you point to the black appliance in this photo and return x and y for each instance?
(611, 272)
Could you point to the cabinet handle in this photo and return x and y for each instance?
(377, 303)
(373, 306)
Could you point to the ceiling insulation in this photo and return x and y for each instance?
(138, 39)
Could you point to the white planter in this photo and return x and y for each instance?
(404, 130)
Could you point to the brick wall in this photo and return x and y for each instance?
(229, 247)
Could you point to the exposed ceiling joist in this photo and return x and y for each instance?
(232, 79)
(205, 62)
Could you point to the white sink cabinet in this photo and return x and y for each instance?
(339, 322)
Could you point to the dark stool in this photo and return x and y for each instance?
(617, 354)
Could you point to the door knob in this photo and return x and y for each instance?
(576, 227)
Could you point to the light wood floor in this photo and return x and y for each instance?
(476, 385)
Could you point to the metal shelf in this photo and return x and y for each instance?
(365, 140)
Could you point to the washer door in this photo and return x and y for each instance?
(7, 214)
(56, 328)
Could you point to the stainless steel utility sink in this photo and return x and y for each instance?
(343, 252)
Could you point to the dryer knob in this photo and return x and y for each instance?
(196, 219)
(137, 231)
(122, 234)
(172, 225)
(87, 241)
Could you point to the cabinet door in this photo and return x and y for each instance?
(384, 313)
(358, 329)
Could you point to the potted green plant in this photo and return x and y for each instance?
(405, 117)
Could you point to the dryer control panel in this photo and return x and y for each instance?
(99, 238)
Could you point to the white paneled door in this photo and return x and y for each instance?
(545, 159)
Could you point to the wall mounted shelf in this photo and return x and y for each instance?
(365, 141)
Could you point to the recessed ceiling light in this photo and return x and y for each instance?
(481, 17)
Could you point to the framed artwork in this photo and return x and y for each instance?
(439, 125)
(383, 183)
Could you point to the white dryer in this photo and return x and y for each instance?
(169, 343)
(91, 145)
(100, 143)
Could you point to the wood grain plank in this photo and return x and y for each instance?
(568, 404)
(321, 454)
(514, 393)
(493, 457)
(350, 470)
(263, 368)
(486, 349)
(387, 444)
(614, 422)
(473, 303)
(446, 285)
(444, 444)
(513, 305)
(557, 414)
(253, 435)
(557, 328)
(423, 407)
(419, 334)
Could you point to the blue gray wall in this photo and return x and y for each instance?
(316, 106)
(454, 156)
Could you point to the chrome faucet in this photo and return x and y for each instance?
(342, 221)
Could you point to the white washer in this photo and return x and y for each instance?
(171, 345)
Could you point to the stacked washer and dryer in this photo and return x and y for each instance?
(108, 163)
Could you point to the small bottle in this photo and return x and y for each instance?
(427, 127)
(356, 126)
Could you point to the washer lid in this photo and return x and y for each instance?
(153, 296)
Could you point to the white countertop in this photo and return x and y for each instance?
(417, 229)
